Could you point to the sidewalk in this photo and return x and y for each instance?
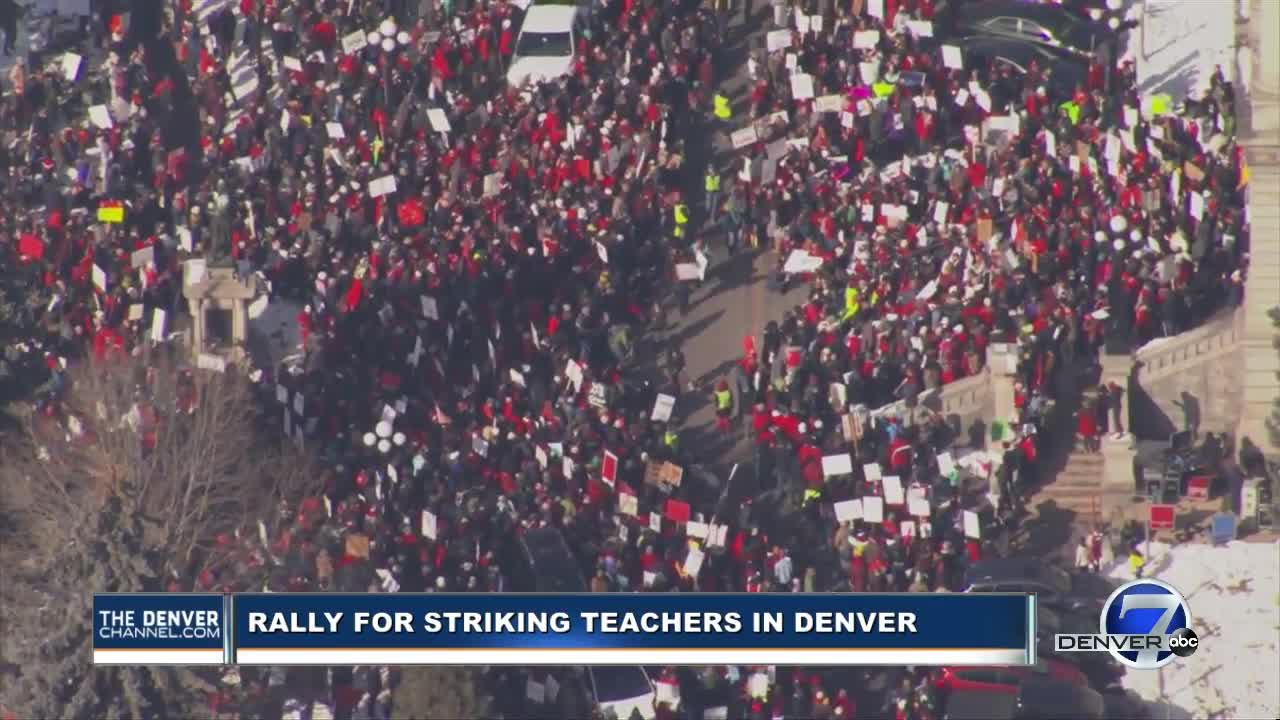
(1179, 42)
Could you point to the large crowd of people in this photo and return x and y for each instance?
(469, 338)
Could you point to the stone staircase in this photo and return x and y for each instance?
(1077, 487)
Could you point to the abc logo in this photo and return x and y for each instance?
(1149, 607)
(1184, 642)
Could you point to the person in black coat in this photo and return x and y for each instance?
(9, 24)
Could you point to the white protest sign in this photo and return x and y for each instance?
(429, 307)
(628, 504)
(140, 258)
(384, 185)
(439, 121)
(135, 312)
(718, 535)
(893, 493)
(354, 42)
(335, 130)
(655, 522)
(872, 471)
(535, 691)
(778, 40)
(480, 446)
(841, 464)
(873, 509)
(866, 39)
(100, 116)
(429, 525)
(800, 261)
(920, 28)
(693, 562)
(919, 507)
(553, 689)
(696, 529)
(946, 464)
(71, 66)
(971, 527)
(216, 363)
(952, 59)
(668, 693)
(1197, 206)
(100, 278)
(291, 63)
(662, 407)
(829, 103)
(573, 371)
(744, 137)
(848, 510)
(159, 319)
(801, 86)
(258, 307)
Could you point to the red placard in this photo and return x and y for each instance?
(1160, 517)
(609, 468)
(676, 511)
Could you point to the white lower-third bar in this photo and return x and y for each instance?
(159, 657)
(628, 656)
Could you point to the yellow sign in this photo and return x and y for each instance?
(111, 214)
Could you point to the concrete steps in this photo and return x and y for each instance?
(1077, 488)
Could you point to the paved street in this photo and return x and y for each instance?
(734, 302)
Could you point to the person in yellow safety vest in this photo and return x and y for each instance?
(681, 214)
(711, 186)
(850, 303)
(721, 108)
(671, 439)
(724, 405)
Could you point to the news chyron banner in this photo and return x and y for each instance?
(588, 629)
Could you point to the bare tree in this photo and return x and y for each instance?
(438, 693)
(122, 487)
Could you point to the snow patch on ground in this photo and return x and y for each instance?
(276, 328)
(1234, 596)
(1180, 42)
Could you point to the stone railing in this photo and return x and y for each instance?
(1193, 380)
(965, 403)
(1162, 358)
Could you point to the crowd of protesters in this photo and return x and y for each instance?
(467, 338)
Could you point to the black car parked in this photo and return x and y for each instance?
(1036, 699)
(1053, 586)
(1064, 72)
(1046, 24)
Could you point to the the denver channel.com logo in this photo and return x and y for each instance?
(1144, 625)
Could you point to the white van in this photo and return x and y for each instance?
(546, 45)
(621, 690)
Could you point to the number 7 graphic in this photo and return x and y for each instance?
(1166, 602)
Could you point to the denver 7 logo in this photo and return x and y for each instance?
(1135, 614)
